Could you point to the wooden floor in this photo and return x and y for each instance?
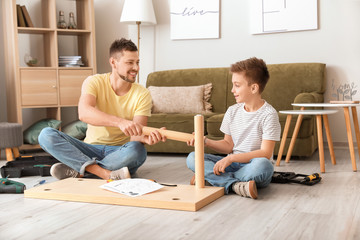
(328, 210)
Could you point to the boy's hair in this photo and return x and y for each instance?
(255, 71)
(120, 45)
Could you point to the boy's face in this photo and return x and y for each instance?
(241, 89)
(126, 65)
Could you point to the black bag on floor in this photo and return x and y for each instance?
(28, 166)
(291, 177)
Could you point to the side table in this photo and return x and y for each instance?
(318, 113)
(346, 107)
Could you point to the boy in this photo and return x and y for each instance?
(251, 128)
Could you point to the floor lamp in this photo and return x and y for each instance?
(138, 12)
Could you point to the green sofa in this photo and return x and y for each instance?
(289, 83)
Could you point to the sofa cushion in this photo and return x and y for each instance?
(189, 99)
(32, 133)
(194, 77)
(176, 122)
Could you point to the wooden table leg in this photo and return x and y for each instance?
(350, 139)
(9, 155)
(16, 152)
(329, 138)
(356, 126)
(293, 138)
(283, 139)
(321, 143)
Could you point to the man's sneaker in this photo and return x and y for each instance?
(122, 173)
(245, 189)
(192, 181)
(61, 171)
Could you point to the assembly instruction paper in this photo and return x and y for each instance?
(132, 187)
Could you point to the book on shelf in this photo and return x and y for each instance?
(28, 21)
(70, 61)
(20, 16)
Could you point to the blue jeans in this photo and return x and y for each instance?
(75, 153)
(258, 169)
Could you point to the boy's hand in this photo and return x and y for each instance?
(155, 137)
(191, 143)
(221, 165)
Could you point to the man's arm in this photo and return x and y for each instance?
(90, 114)
(151, 139)
(266, 150)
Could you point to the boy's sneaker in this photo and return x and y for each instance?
(122, 173)
(62, 171)
(192, 181)
(245, 189)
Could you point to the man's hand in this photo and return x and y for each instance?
(130, 128)
(155, 137)
(221, 165)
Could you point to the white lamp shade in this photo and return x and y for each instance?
(138, 11)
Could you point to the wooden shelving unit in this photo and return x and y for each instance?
(46, 86)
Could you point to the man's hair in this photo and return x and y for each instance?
(120, 45)
(255, 71)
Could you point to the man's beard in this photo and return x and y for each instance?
(126, 79)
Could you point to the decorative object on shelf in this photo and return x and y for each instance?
(70, 61)
(138, 12)
(344, 91)
(72, 24)
(61, 23)
(30, 61)
(194, 19)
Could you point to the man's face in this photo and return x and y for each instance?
(127, 65)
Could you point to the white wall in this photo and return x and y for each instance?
(336, 43)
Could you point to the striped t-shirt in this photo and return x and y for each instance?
(248, 129)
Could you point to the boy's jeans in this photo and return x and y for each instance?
(75, 153)
(258, 169)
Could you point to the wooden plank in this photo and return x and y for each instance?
(344, 102)
(181, 197)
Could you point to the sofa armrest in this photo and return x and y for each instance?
(312, 97)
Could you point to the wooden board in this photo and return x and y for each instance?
(182, 197)
(344, 102)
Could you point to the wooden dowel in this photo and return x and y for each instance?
(173, 135)
(199, 151)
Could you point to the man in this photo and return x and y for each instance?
(115, 108)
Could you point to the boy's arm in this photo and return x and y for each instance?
(224, 146)
(266, 150)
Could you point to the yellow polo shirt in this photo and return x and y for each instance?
(136, 102)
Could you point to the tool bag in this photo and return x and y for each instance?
(291, 177)
(28, 166)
